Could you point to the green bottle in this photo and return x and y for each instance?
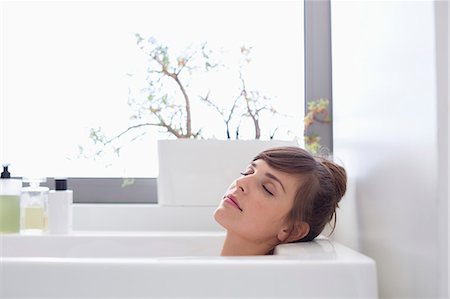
(10, 191)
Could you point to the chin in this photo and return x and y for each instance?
(219, 216)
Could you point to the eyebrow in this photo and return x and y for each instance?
(271, 176)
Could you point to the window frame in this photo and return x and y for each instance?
(318, 69)
(317, 22)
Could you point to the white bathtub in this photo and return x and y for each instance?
(176, 264)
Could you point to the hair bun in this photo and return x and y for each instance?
(339, 177)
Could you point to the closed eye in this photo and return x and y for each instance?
(247, 172)
(267, 190)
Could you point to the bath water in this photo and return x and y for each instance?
(9, 213)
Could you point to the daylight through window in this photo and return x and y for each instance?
(88, 87)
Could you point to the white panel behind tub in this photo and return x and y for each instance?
(198, 172)
(67, 269)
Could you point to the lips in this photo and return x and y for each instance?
(232, 200)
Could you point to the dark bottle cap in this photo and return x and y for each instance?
(5, 173)
(60, 184)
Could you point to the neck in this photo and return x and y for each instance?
(236, 246)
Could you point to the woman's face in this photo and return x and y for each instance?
(256, 204)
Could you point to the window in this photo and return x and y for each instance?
(68, 67)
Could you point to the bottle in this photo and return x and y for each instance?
(34, 206)
(10, 190)
(60, 203)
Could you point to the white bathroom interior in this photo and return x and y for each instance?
(142, 225)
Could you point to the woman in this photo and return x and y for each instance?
(285, 195)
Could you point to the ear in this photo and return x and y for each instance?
(293, 232)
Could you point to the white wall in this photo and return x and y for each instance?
(442, 12)
(386, 113)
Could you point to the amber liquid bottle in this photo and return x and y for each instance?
(34, 206)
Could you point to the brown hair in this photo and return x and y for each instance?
(324, 184)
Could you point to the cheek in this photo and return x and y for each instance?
(266, 219)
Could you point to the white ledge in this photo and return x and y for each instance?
(143, 217)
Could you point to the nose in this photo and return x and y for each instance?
(240, 185)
